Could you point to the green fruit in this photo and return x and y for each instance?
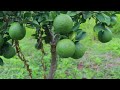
(9, 52)
(105, 36)
(79, 51)
(63, 24)
(17, 31)
(65, 48)
(1, 62)
(1, 41)
(5, 45)
(113, 20)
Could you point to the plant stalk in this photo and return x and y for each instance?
(53, 66)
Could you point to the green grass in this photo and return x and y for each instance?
(101, 60)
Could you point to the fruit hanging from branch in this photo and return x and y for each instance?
(17, 31)
(59, 29)
(63, 24)
(9, 52)
(79, 51)
(105, 35)
(65, 48)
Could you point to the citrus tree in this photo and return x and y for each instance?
(60, 29)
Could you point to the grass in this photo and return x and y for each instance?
(101, 60)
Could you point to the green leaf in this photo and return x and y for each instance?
(82, 20)
(79, 30)
(35, 22)
(98, 27)
(81, 34)
(72, 35)
(76, 26)
(72, 13)
(27, 15)
(45, 16)
(103, 18)
(52, 15)
(63, 37)
(1, 14)
(40, 19)
(87, 14)
(1, 23)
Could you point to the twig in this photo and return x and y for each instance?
(43, 65)
(43, 52)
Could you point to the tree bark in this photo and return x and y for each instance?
(53, 61)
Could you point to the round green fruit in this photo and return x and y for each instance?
(5, 45)
(63, 24)
(79, 51)
(1, 41)
(65, 48)
(17, 31)
(105, 36)
(9, 52)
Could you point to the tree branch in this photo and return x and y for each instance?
(53, 66)
(21, 56)
(53, 61)
(43, 52)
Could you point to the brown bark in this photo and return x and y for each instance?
(21, 56)
(53, 61)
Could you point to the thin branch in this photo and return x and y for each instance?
(43, 52)
(43, 65)
(21, 56)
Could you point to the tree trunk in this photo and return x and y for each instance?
(53, 61)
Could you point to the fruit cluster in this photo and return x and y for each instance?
(16, 32)
(66, 47)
